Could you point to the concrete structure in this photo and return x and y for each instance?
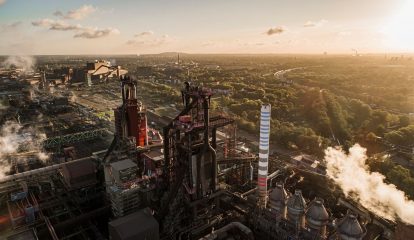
(278, 201)
(317, 217)
(296, 206)
(349, 228)
(124, 171)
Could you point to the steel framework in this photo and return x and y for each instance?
(74, 138)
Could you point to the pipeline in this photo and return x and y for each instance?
(39, 171)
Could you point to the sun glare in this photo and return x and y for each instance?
(399, 30)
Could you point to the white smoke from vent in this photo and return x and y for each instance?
(351, 173)
(15, 139)
(26, 63)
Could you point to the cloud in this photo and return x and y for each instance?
(275, 30)
(77, 14)
(46, 22)
(14, 24)
(96, 33)
(60, 26)
(56, 25)
(314, 24)
(81, 31)
(11, 26)
(2, 2)
(150, 40)
(143, 34)
(208, 44)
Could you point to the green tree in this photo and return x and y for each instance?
(404, 120)
(398, 174)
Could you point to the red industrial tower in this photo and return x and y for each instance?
(130, 118)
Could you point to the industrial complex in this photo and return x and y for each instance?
(79, 172)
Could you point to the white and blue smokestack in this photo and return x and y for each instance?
(264, 152)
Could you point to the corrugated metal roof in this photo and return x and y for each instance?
(124, 164)
(140, 225)
(80, 168)
(155, 155)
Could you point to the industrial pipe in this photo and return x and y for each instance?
(38, 171)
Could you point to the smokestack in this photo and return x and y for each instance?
(263, 153)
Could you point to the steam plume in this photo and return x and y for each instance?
(15, 139)
(26, 63)
(368, 188)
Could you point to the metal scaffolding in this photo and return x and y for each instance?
(75, 137)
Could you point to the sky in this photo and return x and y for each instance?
(209, 26)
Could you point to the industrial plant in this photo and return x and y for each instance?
(71, 172)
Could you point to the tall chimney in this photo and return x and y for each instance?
(263, 153)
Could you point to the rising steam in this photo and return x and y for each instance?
(351, 173)
(26, 63)
(14, 139)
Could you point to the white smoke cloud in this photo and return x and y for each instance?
(26, 63)
(351, 173)
(15, 139)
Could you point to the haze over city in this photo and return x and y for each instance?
(137, 27)
(207, 120)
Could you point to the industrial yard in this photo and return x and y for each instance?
(102, 156)
(206, 120)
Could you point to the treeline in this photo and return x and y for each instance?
(398, 175)
(311, 118)
(404, 136)
(167, 93)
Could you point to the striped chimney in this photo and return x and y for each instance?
(264, 152)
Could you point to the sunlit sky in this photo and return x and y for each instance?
(213, 26)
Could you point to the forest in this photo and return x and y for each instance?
(317, 101)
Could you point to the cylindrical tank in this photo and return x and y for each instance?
(348, 228)
(317, 217)
(278, 201)
(296, 206)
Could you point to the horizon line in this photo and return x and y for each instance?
(213, 53)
